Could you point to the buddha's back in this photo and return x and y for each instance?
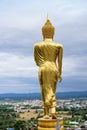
(49, 51)
(46, 53)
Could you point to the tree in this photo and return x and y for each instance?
(19, 124)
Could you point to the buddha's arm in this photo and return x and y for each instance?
(60, 55)
(36, 54)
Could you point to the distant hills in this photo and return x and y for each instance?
(37, 96)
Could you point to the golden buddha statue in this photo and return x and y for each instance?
(48, 56)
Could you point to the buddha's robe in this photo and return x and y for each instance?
(47, 54)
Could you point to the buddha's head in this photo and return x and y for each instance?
(48, 30)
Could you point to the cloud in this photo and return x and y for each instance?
(17, 41)
(24, 66)
(75, 66)
(17, 66)
(20, 28)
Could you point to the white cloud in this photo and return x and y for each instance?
(75, 66)
(24, 66)
(18, 66)
(20, 27)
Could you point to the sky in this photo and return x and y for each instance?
(20, 28)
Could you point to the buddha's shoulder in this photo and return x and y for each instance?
(42, 43)
(57, 44)
(39, 44)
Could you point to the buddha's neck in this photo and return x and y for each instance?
(48, 39)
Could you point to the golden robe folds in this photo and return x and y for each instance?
(47, 53)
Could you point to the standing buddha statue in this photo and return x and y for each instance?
(48, 56)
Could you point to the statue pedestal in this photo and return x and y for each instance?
(52, 124)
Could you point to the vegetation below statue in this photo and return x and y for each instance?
(11, 119)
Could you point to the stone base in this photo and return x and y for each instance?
(52, 124)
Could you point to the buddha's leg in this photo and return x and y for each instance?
(46, 109)
(53, 112)
(46, 113)
(53, 108)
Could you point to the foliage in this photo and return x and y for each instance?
(82, 126)
(8, 117)
(19, 124)
(62, 109)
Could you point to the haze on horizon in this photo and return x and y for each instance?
(20, 27)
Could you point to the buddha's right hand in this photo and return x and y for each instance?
(60, 78)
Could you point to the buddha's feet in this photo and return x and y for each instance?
(46, 117)
(54, 116)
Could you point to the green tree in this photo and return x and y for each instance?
(19, 124)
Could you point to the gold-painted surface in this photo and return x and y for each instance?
(62, 128)
(48, 29)
(60, 121)
(52, 124)
(48, 56)
(46, 123)
(40, 128)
